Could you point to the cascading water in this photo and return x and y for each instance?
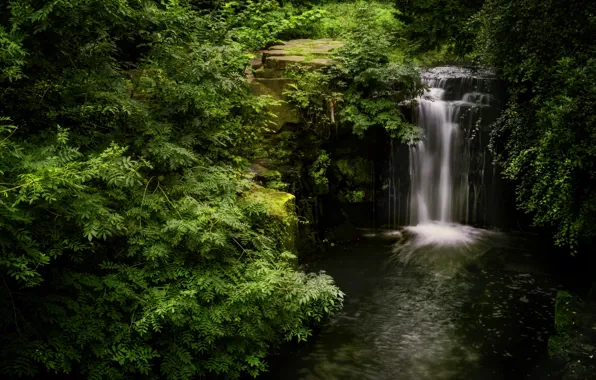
(431, 161)
(450, 169)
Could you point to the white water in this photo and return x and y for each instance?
(440, 162)
(440, 172)
(444, 248)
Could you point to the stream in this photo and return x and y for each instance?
(433, 302)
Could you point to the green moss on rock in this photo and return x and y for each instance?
(281, 207)
(566, 308)
(565, 311)
(356, 171)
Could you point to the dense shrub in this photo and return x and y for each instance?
(131, 242)
(547, 137)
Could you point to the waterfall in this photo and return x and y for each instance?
(441, 165)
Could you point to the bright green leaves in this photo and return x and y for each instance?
(318, 172)
(375, 87)
(59, 181)
(255, 24)
(129, 244)
(431, 24)
(364, 88)
(12, 55)
(341, 19)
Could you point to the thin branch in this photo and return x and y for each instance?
(143, 201)
(168, 199)
(7, 137)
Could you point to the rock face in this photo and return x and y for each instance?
(284, 112)
(306, 52)
(267, 74)
(281, 208)
(290, 152)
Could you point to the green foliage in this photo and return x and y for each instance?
(432, 24)
(341, 19)
(546, 138)
(365, 86)
(12, 54)
(318, 172)
(355, 178)
(374, 86)
(129, 243)
(353, 196)
(256, 24)
(355, 171)
(313, 94)
(273, 180)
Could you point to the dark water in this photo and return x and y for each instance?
(474, 306)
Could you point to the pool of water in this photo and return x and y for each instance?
(432, 302)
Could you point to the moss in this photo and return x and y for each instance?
(565, 311)
(566, 308)
(277, 203)
(352, 196)
(281, 207)
(273, 180)
(559, 345)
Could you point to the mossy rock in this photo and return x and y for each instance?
(278, 203)
(281, 207)
(567, 307)
(282, 63)
(321, 44)
(559, 345)
(304, 52)
(267, 74)
(356, 171)
(285, 113)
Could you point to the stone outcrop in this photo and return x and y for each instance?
(290, 151)
(267, 73)
(575, 334)
(281, 208)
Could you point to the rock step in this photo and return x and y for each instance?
(301, 51)
(283, 62)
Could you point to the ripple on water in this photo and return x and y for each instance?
(432, 318)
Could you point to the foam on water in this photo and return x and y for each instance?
(442, 234)
(444, 246)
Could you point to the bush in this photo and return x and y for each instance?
(545, 140)
(129, 243)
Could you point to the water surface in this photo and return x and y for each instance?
(434, 301)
